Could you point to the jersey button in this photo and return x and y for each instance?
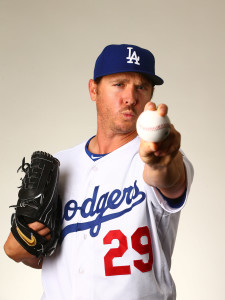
(95, 169)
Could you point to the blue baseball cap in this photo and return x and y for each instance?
(126, 58)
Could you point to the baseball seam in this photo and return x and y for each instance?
(155, 128)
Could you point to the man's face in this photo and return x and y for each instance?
(120, 98)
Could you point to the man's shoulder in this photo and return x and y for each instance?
(71, 152)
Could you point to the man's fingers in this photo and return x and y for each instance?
(41, 229)
(48, 237)
(36, 226)
(149, 146)
(44, 232)
(171, 144)
(150, 106)
(162, 110)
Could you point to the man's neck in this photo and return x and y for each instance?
(103, 144)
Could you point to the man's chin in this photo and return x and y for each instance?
(126, 129)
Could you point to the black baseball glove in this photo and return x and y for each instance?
(38, 200)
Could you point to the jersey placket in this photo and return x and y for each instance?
(84, 263)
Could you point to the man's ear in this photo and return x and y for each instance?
(92, 86)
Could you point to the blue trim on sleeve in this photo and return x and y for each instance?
(177, 202)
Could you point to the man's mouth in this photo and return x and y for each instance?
(128, 114)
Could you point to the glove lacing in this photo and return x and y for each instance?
(30, 180)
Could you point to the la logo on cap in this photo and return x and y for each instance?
(132, 57)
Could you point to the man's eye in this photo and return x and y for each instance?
(140, 87)
(118, 84)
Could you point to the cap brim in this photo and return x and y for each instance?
(154, 78)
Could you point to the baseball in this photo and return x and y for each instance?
(151, 127)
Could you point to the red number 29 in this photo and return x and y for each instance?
(137, 245)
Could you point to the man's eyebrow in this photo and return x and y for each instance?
(143, 82)
(121, 79)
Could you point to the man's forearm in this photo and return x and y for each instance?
(16, 252)
(170, 179)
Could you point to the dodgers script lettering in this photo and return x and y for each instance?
(102, 208)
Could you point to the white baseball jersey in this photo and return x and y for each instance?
(118, 233)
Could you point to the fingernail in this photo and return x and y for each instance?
(152, 106)
(162, 110)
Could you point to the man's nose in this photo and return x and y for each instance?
(130, 96)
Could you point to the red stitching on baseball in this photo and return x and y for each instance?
(158, 127)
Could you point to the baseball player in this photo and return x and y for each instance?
(121, 196)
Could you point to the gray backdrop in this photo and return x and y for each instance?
(47, 54)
